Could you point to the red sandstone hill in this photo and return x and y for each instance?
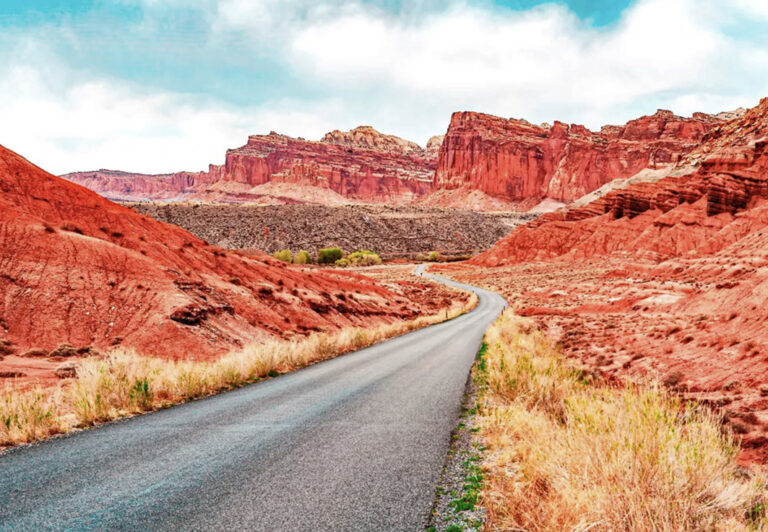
(359, 165)
(79, 269)
(515, 161)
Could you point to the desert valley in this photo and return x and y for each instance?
(511, 326)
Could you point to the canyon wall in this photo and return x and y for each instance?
(522, 162)
(698, 205)
(361, 165)
(483, 163)
(127, 186)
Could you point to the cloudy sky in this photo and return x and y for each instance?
(166, 85)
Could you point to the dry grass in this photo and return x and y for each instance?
(566, 452)
(122, 383)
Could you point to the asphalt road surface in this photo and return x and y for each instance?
(355, 443)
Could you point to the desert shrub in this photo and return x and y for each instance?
(364, 258)
(64, 350)
(329, 255)
(421, 257)
(71, 227)
(302, 257)
(283, 255)
(27, 415)
(344, 263)
(434, 256)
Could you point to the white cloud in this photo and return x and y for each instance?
(102, 124)
(403, 72)
(536, 63)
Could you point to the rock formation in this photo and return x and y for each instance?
(516, 161)
(126, 186)
(670, 212)
(361, 165)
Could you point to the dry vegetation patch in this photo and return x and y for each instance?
(567, 452)
(123, 383)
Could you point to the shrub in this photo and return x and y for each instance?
(421, 257)
(364, 258)
(342, 263)
(283, 255)
(71, 227)
(329, 255)
(434, 256)
(302, 257)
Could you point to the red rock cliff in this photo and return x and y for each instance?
(119, 185)
(702, 204)
(518, 161)
(361, 164)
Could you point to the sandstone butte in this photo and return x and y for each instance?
(663, 274)
(483, 162)
(78, 269)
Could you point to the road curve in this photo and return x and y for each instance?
(354, 443)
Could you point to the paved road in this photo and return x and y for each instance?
(355, 443)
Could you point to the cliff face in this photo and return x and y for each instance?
(521, 162)
(483, 163)
(358, 165)
(699, 205)
(117, 185)
(361, 165)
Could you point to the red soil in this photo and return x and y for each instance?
(78, 269)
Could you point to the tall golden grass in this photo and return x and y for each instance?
(123, 383)
(566, 452)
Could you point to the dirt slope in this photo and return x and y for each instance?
(79, 269)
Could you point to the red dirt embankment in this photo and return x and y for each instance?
(78, 269)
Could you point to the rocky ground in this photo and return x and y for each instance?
(623, 325)
(390, 231)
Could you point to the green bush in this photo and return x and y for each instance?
(329, 255)
(421, 257)
(434, 257)
(283, 255)
(364, 258)
(342, 262)
(302, 257)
